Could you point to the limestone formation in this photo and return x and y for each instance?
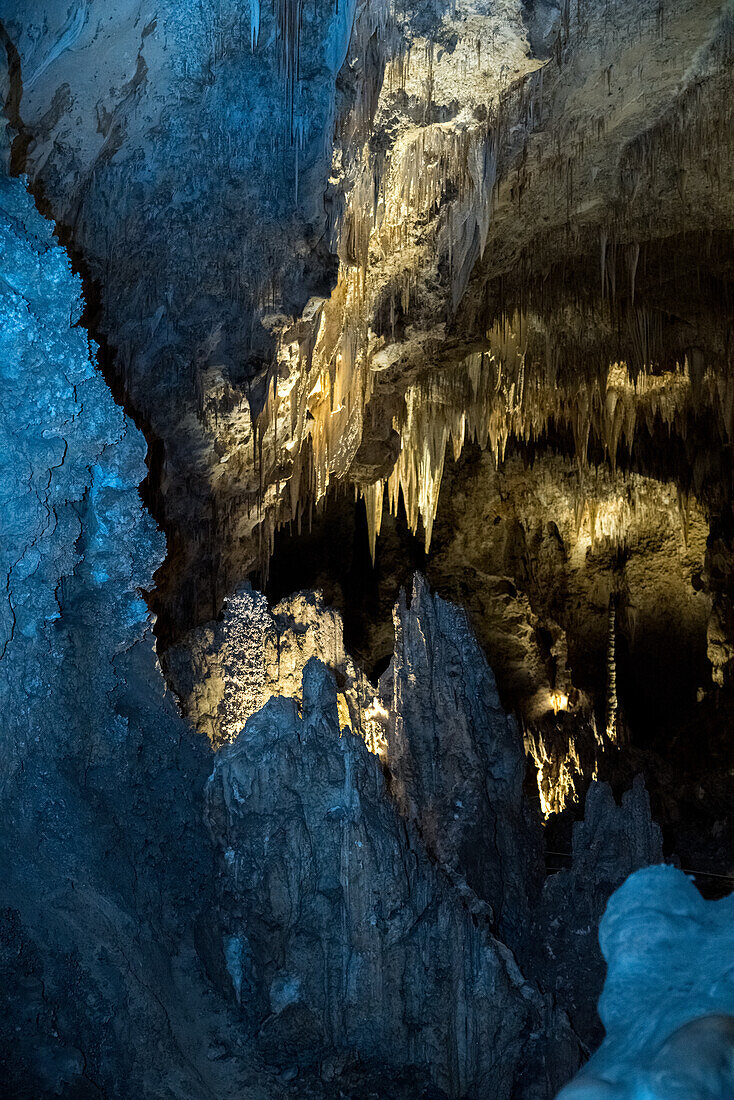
(105, 862)
(456, 761)
(609, 844)
(668, 1002)
(227, 670)
(535, 556)
(460, 272)
(341, 934)
(453, 773)
(467, 139)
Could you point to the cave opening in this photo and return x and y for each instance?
(660, 673)
(333, 555)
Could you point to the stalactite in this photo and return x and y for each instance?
(559, 768)
(494, 396)
(289, 15)
(428, 205)
(254, 23)
(373, 505)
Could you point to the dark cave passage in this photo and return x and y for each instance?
(659, 674)
(334, 556)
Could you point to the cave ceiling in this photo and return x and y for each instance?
(469, 265)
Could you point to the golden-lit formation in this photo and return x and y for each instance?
(427, 205)
(376, 720)
(490, 398)
(557, 772)
(409, 229)
(225, 672)
(493, 397)
(345, 718)
(558, 701)
(543, 550)
(565, 759)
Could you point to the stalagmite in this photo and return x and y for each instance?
(612, 703)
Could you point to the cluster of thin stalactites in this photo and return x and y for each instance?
(482, 401)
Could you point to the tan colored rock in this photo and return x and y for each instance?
(226, 671)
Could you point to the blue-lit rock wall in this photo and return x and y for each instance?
(668, 1000)
(186, 148)
(102, 847)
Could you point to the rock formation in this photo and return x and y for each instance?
(668, 1002)
(456, 761)
(340, 932)
(469, 138)
(105, 865)
(608, 845)
(461, 272)
(453, 773)
(467, 206)
(227, 670)
(536, 555)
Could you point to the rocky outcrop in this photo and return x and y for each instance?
(668, 1001)
(456, 760)
(227, 670)
(341, 934)
(451, 791)
(453, 774)
(609, 844)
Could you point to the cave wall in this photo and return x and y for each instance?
(118, 925)
(104, 854)
(184, 152)
(541, 182)
(136, 957)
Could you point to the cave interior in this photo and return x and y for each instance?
(366, 468)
